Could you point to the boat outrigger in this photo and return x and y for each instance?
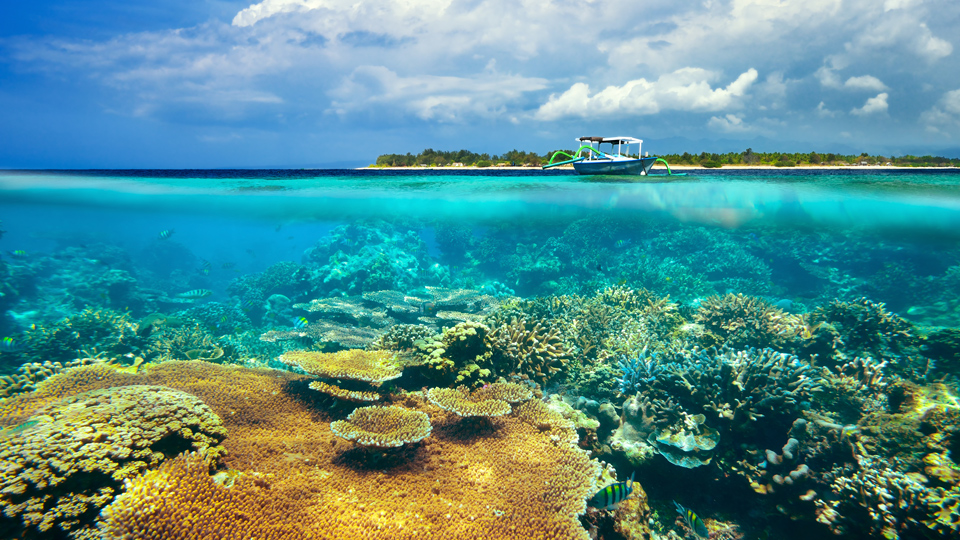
(590, 159)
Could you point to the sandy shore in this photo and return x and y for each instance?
(675, 168)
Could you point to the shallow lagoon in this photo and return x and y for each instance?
(638, 289)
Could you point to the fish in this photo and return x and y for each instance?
(19, 253)
(13, 430)
(300, 322)
(693, 521)
(205, 267)
(612, 495)
(622, 243)
(228, 265)
(164, 234)
(195, 294)
(9, 345)
(428, 308)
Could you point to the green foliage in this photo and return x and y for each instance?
(431, 157)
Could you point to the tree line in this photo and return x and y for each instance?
(439, 158)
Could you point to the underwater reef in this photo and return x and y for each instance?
(423, 379)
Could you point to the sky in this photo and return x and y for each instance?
(328, 83)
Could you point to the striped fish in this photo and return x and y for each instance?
(300, 322)
(693, 521)
(164, 234)
(612, 495)
(195, 294)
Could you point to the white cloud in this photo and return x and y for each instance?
(865, 82)
(730, 123)
(823, 112)
(428, 97)
(874, 105)
(686, 89)
(944, 117)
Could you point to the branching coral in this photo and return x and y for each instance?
(191, 342)
(102, 330)
(530, 349)
(383, 427)
(866, 328)
(744, 321)
(63, 465)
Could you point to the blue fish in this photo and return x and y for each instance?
(693, 521)
(300, 322)
(612, 495)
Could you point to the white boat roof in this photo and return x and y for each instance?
(611, 140)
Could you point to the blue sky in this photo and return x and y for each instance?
(299, 83)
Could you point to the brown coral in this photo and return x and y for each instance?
(504, 391)
(530, 348)
(741, 321)
(181, 501)
(529, 481)
(383, 427)
(343, 393)
(460, 402)
(356, 365)
(64, 464)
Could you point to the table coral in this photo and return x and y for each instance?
(528, 481)
(369, 366)
(383, 427)
(462, 403)
(73, 456)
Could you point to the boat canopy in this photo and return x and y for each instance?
(611, 140)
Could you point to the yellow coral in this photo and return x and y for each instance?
(383, 427)
(353, 364)
(342, 393)
(460, 402)
(504, 391)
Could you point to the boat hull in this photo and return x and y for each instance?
(635, 167)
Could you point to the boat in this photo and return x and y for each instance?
(590, 158)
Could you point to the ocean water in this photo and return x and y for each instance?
(855, 274)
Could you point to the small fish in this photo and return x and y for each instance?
(195, 294)
(19, 253)
(428, 308)
(13, 430)
(622, 243)
(612, 495)
(9, 345)
(693, 521)
(224, 319)
(227, 265)
(164, 234)
(251, 253)
(300, 322)
(668, 279)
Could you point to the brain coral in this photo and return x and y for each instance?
(383, 427)
(67, 461)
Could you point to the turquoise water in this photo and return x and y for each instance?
(856, 264)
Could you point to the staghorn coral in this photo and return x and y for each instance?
(741, 321)
(374, 367)
(462, 403)
(383, 427)
(68, 460)
(530, 349)
(100, 330)
(188, 342)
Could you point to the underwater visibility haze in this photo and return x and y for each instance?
(480, 354)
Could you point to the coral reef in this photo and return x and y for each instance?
(463, 403)
(383, 427)
(69, 459)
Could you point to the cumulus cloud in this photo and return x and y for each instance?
(865, 82)
(730, 123)
(944, 117)
(686, 89)
(874, 105)
(428, 97)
